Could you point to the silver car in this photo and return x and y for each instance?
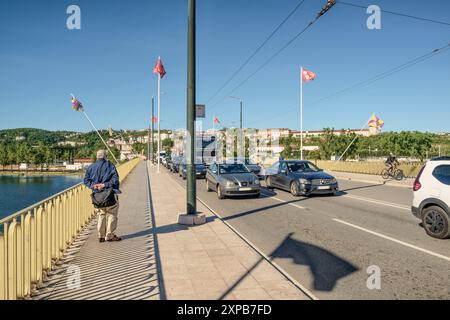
(232, 179)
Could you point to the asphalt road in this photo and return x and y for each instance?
(327, 243)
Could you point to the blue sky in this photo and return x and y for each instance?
(108, 63)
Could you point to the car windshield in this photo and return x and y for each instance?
(233, 168)
(244, 161)
(302, 167)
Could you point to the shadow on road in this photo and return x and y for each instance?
(326, 267)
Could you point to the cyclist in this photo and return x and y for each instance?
(391, 162)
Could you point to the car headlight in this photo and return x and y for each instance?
(230, 184)
(256, 182)
(333, 180)
(304, 181)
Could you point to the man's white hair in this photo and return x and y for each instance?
(101, 154)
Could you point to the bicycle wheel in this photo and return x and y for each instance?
(398, 174)
(385, 174)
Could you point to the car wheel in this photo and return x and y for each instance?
(220, 194)
(436, 222)
(208, 188)
(295, 190)
(268, 183)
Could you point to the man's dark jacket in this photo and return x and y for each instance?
(102, 171)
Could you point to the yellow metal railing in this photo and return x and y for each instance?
(366, 167)
(34, 239)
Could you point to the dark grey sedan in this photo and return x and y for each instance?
(300, 178)
(232, 179)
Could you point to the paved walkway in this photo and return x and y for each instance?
(208, 261)
(116, 270)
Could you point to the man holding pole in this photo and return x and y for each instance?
(102, 178)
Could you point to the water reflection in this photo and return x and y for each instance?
(18, 192)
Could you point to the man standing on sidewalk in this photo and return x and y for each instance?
(102, 178)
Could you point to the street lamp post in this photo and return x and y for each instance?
(241, 132)
(152, 131)
(191, 217)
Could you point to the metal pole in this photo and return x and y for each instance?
(153, 130)
(106, 145)
(190, 117)
(242, 151)
(301, 113)
(159, 119)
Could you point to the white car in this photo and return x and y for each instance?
(431, 202)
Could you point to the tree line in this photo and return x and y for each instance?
(410, 144)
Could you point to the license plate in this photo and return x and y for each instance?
(323, 187)
(245, 189)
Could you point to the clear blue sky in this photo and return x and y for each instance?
(108, 63)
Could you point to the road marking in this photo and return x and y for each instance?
(384, 203)
(395, 240)
(269, 260)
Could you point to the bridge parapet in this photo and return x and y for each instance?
(33, 240)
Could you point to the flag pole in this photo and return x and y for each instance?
(152, 133)
(104, 142)
(301, 113)
(354, 139)
(159, 118)
(106, 145)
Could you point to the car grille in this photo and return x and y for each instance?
(321, 182)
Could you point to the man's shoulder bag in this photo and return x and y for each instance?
(104, 198)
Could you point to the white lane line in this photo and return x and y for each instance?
(395, 240)
(268, 259)
(384, 203)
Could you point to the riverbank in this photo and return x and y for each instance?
(41, 173)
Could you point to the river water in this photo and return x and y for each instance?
(18, 192)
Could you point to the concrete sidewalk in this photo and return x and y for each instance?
(209, 261)
(370, 178)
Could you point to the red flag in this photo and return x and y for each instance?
(308, 75)
(159, 68)
(216, 120)
(154, 119)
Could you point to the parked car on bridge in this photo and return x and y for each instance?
(300, 178)
(200, 170)
(431, 201)
(232, 179)
(252, 166)
(175, 163)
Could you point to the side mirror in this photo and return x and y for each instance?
(283, 171)
(320, 170)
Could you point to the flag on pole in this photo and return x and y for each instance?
(376, 122)
(308, 75)
(76, 105)
(159, 68)
(154, 119)
(216, 120)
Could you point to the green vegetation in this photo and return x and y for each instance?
(42, 147)
(410, 144)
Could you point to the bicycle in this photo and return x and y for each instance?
(394, 173)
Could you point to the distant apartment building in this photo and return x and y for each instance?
(71, 143)
(358, 132)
